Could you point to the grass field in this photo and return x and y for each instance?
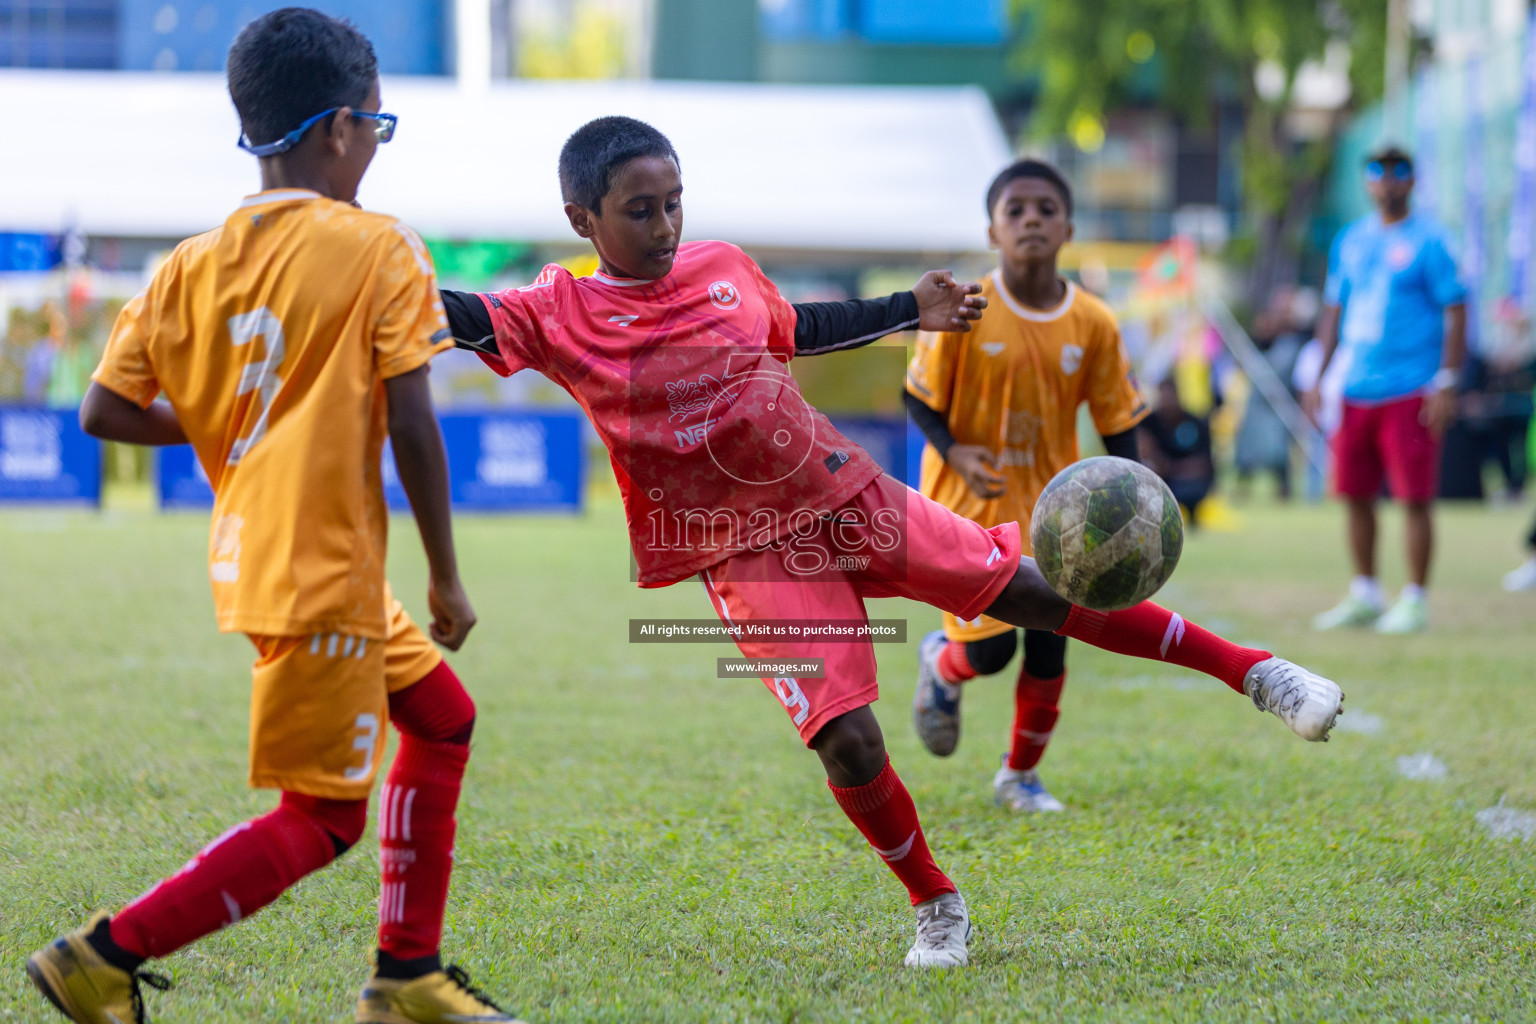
(640, 841)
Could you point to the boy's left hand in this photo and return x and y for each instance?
(943, 304)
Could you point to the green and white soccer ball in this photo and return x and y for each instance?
(1107, 533)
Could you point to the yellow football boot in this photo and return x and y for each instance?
(84, 986)
(442, 997)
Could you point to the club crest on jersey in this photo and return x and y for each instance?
(1071, 359)
(724, 295)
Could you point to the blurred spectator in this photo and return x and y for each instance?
(1524, 578)
(1263, 442)
(1176, 444)
(1496, 411)
(1396, 304)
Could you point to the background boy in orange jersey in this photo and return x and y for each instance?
(288, 342)
(999, 408)
(676, 352)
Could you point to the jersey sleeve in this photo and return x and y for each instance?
(522, 320)
(781, 315)
(125, 367)
(1445, 284)
(410, 326)
(1114, 399)
(931, 374)
(1336, 285)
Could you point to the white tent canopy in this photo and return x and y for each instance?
(795, 167)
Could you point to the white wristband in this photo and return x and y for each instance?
(1444, 378)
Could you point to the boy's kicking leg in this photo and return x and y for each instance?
(1306, 702)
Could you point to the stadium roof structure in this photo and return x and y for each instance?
(856, 169)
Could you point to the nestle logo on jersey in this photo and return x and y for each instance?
(686, 398)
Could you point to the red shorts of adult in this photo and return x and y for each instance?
(887, 541)
(1386, 440)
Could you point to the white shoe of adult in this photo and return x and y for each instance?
(1303, 700)
(943, 929)
(1523, 578)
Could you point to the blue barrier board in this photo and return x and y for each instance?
(497, 462)
(45, 456)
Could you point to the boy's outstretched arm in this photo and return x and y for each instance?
(469, 321)
(1121, 445)
(108, 415)
(423, 468)
(936, 303)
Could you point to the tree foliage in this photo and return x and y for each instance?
(1092, 57)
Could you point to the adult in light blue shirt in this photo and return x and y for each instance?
(1396, 305)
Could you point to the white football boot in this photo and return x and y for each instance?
(943, 929)
(935, 703)
(1303, 700)
(1022, 791)
(1523, 578)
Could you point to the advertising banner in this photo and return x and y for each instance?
(497, 462)
(45, 456)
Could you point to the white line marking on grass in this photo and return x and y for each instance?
(1354, 721)
(1508, 822)
(1421, 767)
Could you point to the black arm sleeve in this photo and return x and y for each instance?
(469, 321)
(932, 424)
(1121, 445)
(830, 326)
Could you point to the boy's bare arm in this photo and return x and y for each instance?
(423, 467)
(107, 415)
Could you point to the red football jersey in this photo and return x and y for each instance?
(685, 379)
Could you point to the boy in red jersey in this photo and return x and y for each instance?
(676, 352)
(288, 342)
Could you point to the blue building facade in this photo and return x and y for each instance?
(411, 37)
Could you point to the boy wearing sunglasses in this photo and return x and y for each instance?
(288, 342)
(1396, 306)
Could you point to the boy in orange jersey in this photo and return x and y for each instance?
(288, 342)
(999, 408)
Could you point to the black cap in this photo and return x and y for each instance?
(1390, 154)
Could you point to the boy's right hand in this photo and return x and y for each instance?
(452, 617)
(978, 467)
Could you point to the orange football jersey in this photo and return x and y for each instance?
(272, 336)
(1013, 383)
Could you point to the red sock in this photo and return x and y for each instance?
(238, 873)
(883, 811)
(416, 829)
(435, 717)
(1034, 718)
(1149, 631)
(954, 666)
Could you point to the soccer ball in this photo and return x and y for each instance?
(1107, 533)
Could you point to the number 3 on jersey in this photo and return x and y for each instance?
(259, 377)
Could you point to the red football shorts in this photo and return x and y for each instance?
(888, 541)
(1389, 439)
